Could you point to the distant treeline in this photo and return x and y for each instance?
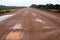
(2, 7)
(47, 6)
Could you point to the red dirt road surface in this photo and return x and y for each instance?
(31, 24)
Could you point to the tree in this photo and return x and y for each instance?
(50, 6)
(57, 6)
(33, 6)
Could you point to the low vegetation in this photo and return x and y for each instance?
(4, 9)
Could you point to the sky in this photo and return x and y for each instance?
(27, 2)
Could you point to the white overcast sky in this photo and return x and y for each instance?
(27, 2)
